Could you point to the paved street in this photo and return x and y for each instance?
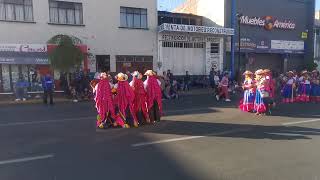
(198, 139)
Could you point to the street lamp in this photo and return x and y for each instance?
(239, 15)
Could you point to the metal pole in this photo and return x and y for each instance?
(233, 24)
(239, 44)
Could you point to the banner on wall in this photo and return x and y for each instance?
(268, 46)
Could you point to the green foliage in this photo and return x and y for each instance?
(66, 55)
(311, 66)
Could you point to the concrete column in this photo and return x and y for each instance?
(113, 63)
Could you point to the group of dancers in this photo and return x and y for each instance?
(303, 88)
(260, 89)
(259, 92)
(127, 104)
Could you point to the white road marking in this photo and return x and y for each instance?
(27, 159)
(44, 122)
(189, 138)
(300, 122)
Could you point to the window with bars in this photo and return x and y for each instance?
(177, 44)
(215, 47)
(62, 12)
(16, 10)
(135, 18)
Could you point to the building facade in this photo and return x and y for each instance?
(120, 35)
(317, 42)
(278, 35)
(272, 34)
(186, 44)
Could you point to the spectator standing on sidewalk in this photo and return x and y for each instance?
(216, 80)
(187, 82)
(21, 87)
(170, 76)
(47, 84)
(211, 78)
(224, 88)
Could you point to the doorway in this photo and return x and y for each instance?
(103, 63)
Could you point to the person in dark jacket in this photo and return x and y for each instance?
(187, 81)
(47, 84)
(21, 87)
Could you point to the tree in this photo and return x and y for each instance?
(310, 66)
(66, 55)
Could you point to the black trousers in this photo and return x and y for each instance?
(154, 112)
(268, 102)
(46, 94)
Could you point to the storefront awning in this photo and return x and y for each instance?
(23, 58)
(23, 54)
(196, 29)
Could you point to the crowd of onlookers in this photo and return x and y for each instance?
(76, 86)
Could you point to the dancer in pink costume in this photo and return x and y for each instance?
(154, 96)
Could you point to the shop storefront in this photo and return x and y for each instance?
(273, 36)
(28, 61)
(196, 49)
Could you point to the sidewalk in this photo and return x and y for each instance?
(10, 101)
(198, 91)
(32, 101)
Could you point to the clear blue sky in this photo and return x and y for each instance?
(171, 4)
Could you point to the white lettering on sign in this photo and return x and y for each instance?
(33, 48)
(196, 29)
(39, 48)
(287, 45)
(267, 22)
(252, 21)
(188, 38)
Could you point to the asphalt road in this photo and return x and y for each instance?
(198, 139)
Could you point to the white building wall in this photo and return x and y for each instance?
(198, 61)
(100, 32)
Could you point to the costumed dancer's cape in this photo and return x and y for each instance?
(124, 97)
(153, 92)
(103, 99)
(140, 99)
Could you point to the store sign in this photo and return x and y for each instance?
(247, 43)
(304, 35)
(188, 38)
(262, 45)
(287, 45)
(27, 48)
(267, 46)
(24, 60)
(23, 54)
(268, 22)
(195, 29)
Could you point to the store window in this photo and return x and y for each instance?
(16, 10)
(214, 48)
(31, 74)
(133, 18)
(5, 77)
(62, 12)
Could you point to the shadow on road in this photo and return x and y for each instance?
(188, 128)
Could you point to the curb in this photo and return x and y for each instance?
(38, 101)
